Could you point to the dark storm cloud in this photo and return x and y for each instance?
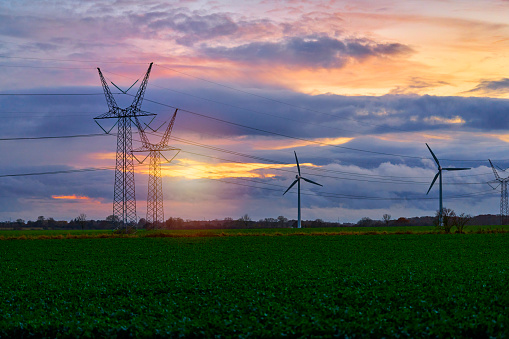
(315, 51)
(333, 115)
(491, 87)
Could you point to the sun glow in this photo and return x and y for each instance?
(192, 169)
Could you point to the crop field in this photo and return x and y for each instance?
(58, 234)
(409, 285)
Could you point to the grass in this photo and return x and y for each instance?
(409, 285)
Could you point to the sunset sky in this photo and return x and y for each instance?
(356, 88)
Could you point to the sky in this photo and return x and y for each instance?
(355, 88)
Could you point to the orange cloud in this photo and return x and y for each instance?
(103, 156)
(439, 120)
(70, 197)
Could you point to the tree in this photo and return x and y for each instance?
(448, 216)
(460, 221)
(402, 221)
(142, 223)
(81, 220)
(282, 221)
(387, 219)
(245, 220)
(317, 223)
(112, 219)
(51, 222)
(174, 222)
(365, 222)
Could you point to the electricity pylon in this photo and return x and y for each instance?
(504, 206)
(155, 206)
(124, 199)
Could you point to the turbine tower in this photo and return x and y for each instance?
(439, 174)
(504, 206)
(155, 208)
(124, 199)
(297, 181)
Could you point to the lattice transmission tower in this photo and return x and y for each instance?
(502, 182)
(155, 206)
(124, 197)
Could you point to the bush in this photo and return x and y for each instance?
(450, 220)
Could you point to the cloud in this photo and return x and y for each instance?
(416, 84)
(440, 120)
(193, 27)
(70, 197)
(314, 51)
(488, 87)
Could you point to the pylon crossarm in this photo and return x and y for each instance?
(138, 99)
(121, 90)
(494, 182)
(169, 161)
(127, 90)
(107, 132)
(148, 125)
(138, 160)
(112, 104)
(141, 113)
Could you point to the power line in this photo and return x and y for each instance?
(313, 168)
(91, 169)
(57, 137)
(243, 108)
(49, 94)
(389, 179)
(51, 67)
(74, 60)
(323, 194)
(337, 195)
(239, 154)
(303, 139)
(257, 129)
(281, 134)
(278, 101)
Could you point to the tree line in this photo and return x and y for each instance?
(81, 222)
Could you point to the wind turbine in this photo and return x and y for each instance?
(297, 181)
(439, 174)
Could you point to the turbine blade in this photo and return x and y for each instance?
(434, 179)
(433, 154)
(291, 186)
(311, 181)
(456, 169)
(297, 160)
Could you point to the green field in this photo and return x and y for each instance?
(415, 285)
(44, 234)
